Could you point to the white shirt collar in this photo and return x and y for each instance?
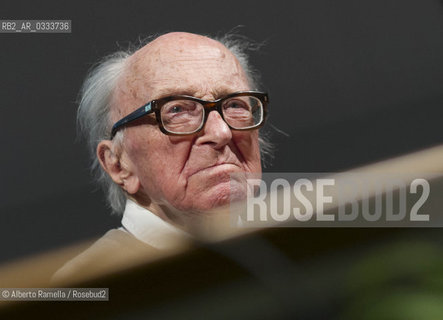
(149, 228)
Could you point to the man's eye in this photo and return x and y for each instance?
(180, 107)
(237, 104)
(176, 109)
(234, 105)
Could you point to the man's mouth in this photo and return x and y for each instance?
(217, 168)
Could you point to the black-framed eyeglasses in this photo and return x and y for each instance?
(183, 115)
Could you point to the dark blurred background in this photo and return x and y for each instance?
(351, 82)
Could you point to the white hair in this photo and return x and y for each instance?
(96, 95)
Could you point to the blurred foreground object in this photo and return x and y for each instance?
(279, 273)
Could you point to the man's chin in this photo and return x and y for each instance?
(215, 198)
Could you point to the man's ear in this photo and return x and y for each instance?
(121, 172)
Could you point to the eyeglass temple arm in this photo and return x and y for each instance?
(140, 112)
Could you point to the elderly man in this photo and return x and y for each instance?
(169, 124)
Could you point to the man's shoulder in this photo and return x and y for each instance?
(107, 254)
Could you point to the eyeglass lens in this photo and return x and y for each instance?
(187, 116)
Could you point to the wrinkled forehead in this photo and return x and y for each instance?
(170, 49)
(179, 64)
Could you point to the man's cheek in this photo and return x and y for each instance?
(170, 187)
(248, 144)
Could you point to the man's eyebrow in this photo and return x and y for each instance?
(167, 92)
(176, 92)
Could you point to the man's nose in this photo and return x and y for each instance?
(215, 132)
